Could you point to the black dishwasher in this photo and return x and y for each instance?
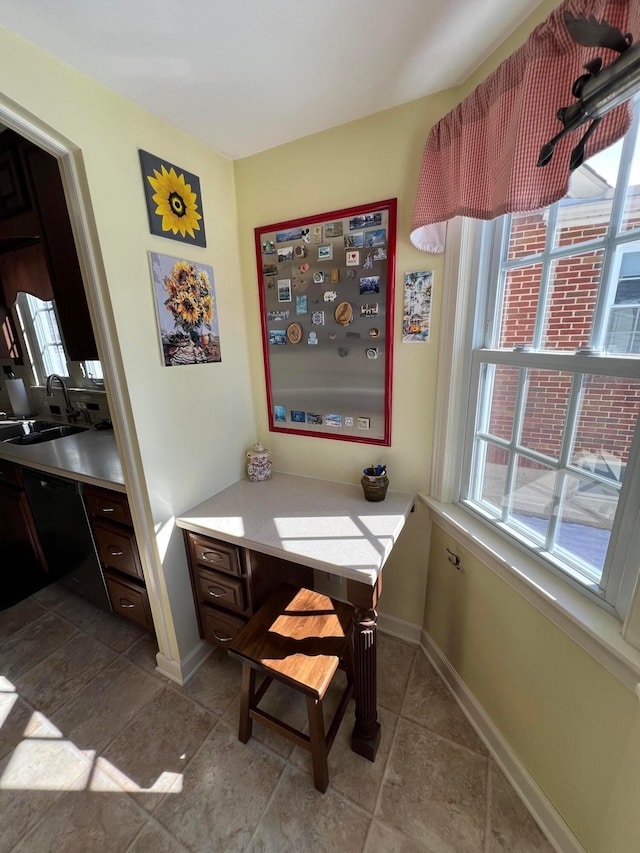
(65, 534)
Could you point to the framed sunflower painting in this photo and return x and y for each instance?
(187, 312)
(173, 200)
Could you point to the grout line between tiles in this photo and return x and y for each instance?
(487, 821)
(386, 767)
(270, 799)
(161, 828)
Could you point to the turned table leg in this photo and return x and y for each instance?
(365, 738)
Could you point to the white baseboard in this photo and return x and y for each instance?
(551, 823)
(181, 671)
(400, 629)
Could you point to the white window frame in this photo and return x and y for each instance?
(495, 234)
(600, 633)
(35, 344)
(615, 279)
(614, 589)
(84, 374)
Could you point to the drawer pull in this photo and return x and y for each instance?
(222, 639)
(127, 604)
(108, 509)
(115, 553)
(211, 592)
(216, 558)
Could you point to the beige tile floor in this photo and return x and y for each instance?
(98, 752)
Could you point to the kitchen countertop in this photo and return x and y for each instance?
(88, 457)
(317, 523)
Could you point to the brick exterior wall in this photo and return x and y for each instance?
(609, 406)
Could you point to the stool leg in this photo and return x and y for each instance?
(318, 744)
(246, 700)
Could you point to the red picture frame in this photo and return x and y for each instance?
(326, 284)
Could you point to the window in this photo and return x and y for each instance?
(92, 372)
(623, 333)
(551, 444)
(41, 334)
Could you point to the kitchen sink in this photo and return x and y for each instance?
(9, 429)
(40, 426)
(45, 431)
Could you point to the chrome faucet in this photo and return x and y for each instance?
(71, 413)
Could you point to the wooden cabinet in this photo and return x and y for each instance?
(47, 222)
(230, 583)
(129, 599)
(220, 586)
(118, 552)
(13, 192)
(45, 185)
(19, 541)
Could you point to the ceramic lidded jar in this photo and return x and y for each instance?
(259, 463)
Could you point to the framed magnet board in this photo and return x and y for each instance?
(326, 285)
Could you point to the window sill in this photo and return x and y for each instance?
(591, 627)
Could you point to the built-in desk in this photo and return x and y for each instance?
(316, 524)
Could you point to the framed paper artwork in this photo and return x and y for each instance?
(173, 200)
(327, 328)
(186, 309)
(416, 319)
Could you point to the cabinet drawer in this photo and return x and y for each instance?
(214, 554)
(129, 600)
(112, 506)
(117, 549)
(218, 626)
(221, 590)
(10, 473)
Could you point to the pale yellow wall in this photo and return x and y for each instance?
(194, 423)
(575, 727)
(572, 724)
(375, 158)
(365, 161)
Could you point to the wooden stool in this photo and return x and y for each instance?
(300, 638)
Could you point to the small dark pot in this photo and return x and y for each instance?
(375, 488)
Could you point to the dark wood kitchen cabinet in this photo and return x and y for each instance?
(230, 583)
(46, 224)
(118, 552)
(18, 536)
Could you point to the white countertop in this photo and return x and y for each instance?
(89, 457)
(317, 523)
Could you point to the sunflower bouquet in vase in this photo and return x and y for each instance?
(188, 325)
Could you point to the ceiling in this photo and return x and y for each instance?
(247, 75)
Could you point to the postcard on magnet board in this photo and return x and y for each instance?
(284, 290)
(354, 241)
(285, 254)
(333, 229)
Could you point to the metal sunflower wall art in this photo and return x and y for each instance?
(173, 200)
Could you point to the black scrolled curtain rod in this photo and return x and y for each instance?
(600, 89)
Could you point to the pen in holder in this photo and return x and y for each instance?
(375, 482)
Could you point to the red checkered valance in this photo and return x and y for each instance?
(480, 159)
